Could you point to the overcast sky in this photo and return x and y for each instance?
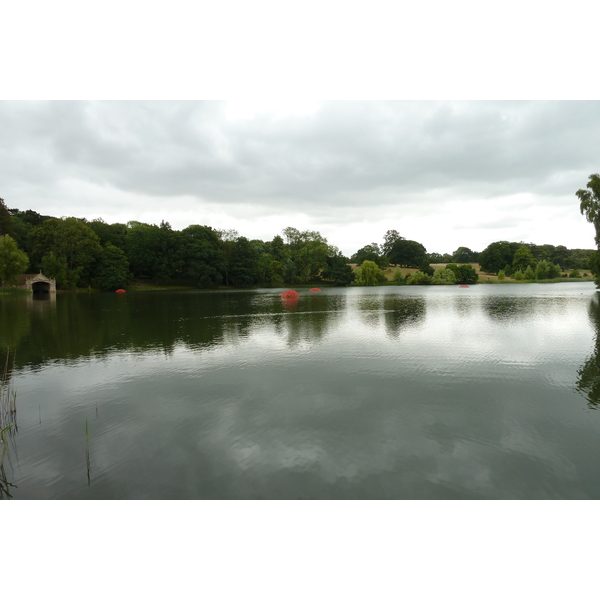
(446, 174)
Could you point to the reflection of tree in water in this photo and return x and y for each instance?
(311, 319)
(402, 313)
(588, 381)
(369, 308)
(8, 426)
(509, 308)
(464, 306)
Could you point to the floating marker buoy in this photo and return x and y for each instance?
(463, 286)
(290, 295)
(120, 291)
(314, 290)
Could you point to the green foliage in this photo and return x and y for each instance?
(407, 253)
(529, 273)
(464, 255)
(71, 242)
(112, 271)
(575, 274)
(56, 267)
(13, 261)
(518, 275)
(308, 250)
(5, 220)
(464, 273)
(553, 271)
(496, 256)
(419, 278)
(369, 274)
(589, 203)
(501, 275)
(338, 271)
(425, 267)
(390, 237)
(443, 277)
(203, 259)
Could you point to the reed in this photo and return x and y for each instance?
(8, 401)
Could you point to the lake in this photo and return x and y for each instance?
(435, 392)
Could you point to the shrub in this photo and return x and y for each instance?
(574, 274)
(518, 276)
(501, 275)
(419, 278)
(443, 277)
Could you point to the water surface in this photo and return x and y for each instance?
(393, 392)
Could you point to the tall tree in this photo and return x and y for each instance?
(589, 203)
(13, 261)
(391, 236)
(71, 242)
(5, 222)
(407, 253)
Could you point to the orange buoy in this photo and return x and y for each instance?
(315, 290)
(120, 291)
(463, 286)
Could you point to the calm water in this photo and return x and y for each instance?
(409, 392)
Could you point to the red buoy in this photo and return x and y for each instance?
(463, 286)
(314, 290)
(290, 295)
(120, 291)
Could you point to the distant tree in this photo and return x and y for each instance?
(501, 275)
(407, 253)
(419, 278)
(425, 267)
(575, 274)
(464, 255)
(443, 277)
(115, 234)
(523, 259)
(390, 237)
(308, 250)
(71, 243)
(529, 273)
(370, 252)
(518, 275)
(112, 271)
(589, 204)
(496, 256)
(13, 262)
(5, 222)
(203, 259)
(464, 273)
(369, 274)
(338, 271)
(553, 271)
(242, 270)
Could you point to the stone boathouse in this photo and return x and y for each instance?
(37, 283)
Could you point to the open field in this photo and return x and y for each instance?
(389, 272)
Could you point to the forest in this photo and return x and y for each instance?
(94, 254)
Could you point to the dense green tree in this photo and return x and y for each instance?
(464, 273)
(242, 269)
(71, 242)
(589, 204)
(529, 273)
(464, 255)
(5, 221)
(496, 256)
(419, 278)
(308, 251)
(407, 253)
(338, 271)
(370, 252)
(112, 270)
(390, 237)
(523, 259)
(203, 260)
(425, 267)
(443, 277)
(13, 262)
(115, 233)
(369, 273)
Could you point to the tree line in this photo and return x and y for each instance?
(81, 253)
